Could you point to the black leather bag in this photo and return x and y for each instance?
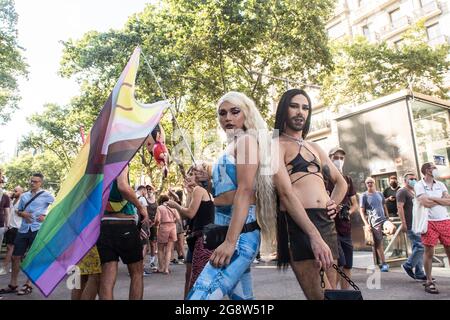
(342, 294)
(191, 238)
(214, 234)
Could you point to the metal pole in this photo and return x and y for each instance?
(413, 133)
(170, 108)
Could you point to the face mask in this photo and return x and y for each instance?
(339, 164)
(434, 173)
(412, 183)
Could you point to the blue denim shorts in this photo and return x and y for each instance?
(235, 279)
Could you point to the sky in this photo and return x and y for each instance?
(42, 25)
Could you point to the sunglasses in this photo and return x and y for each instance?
(35, 181)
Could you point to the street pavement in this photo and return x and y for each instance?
(269, 284)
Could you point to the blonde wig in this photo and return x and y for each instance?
(255, 125)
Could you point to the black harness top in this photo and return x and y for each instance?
(300, 164)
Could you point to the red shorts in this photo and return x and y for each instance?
(437, 230)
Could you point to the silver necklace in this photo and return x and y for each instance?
(299, 141)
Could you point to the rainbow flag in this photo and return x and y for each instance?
(73, 222)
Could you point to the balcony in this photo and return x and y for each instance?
(396, 26)
(372, 36)
(443, 39)
(340, 9)
(427, 11)
(364, 12)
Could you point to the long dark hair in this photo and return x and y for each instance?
(283, 105)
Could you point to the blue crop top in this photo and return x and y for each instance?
(224, 175)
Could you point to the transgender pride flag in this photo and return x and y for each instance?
(73, 222)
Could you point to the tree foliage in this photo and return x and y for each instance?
(19, 170)
(363, 70)
(57, 130)
(12, 64)
(199, 51)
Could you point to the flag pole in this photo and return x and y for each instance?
(170, 107)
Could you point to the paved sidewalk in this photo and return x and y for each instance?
(269, 284)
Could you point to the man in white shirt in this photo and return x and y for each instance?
(433, 195)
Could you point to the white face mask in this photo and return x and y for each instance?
(435, 173)
(339, 164)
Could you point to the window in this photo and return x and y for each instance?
(366, 31)
(398, 43)
(363, 3)
(424, 3)
(394, 15)
(433, 31)
(432, 132)
(336, 31)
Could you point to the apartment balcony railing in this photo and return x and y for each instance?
(428, 9)
(397, 24)
(374, 6)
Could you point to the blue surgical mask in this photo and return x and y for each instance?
(412, 183)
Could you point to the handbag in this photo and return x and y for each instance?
(368, 236)
(329, 294)
(191, 239)
(420, 218)
(214, 234)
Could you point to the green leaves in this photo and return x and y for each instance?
(198, 50)
(363, 70)
(12, 64)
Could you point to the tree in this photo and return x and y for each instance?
(19, 170)
(200, 50)
(12, 64)
(57, 130)
(363, 70)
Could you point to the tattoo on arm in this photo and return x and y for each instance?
(326, 173)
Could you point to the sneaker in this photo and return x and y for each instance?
(152, 265)
(256, 261)
(174, 261)
(147, 273)
(384, 267)
(180, 261)
(409, 271)
(3, 272)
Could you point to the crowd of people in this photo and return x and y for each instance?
(296, 202)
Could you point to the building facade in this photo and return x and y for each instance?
(387, 20)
